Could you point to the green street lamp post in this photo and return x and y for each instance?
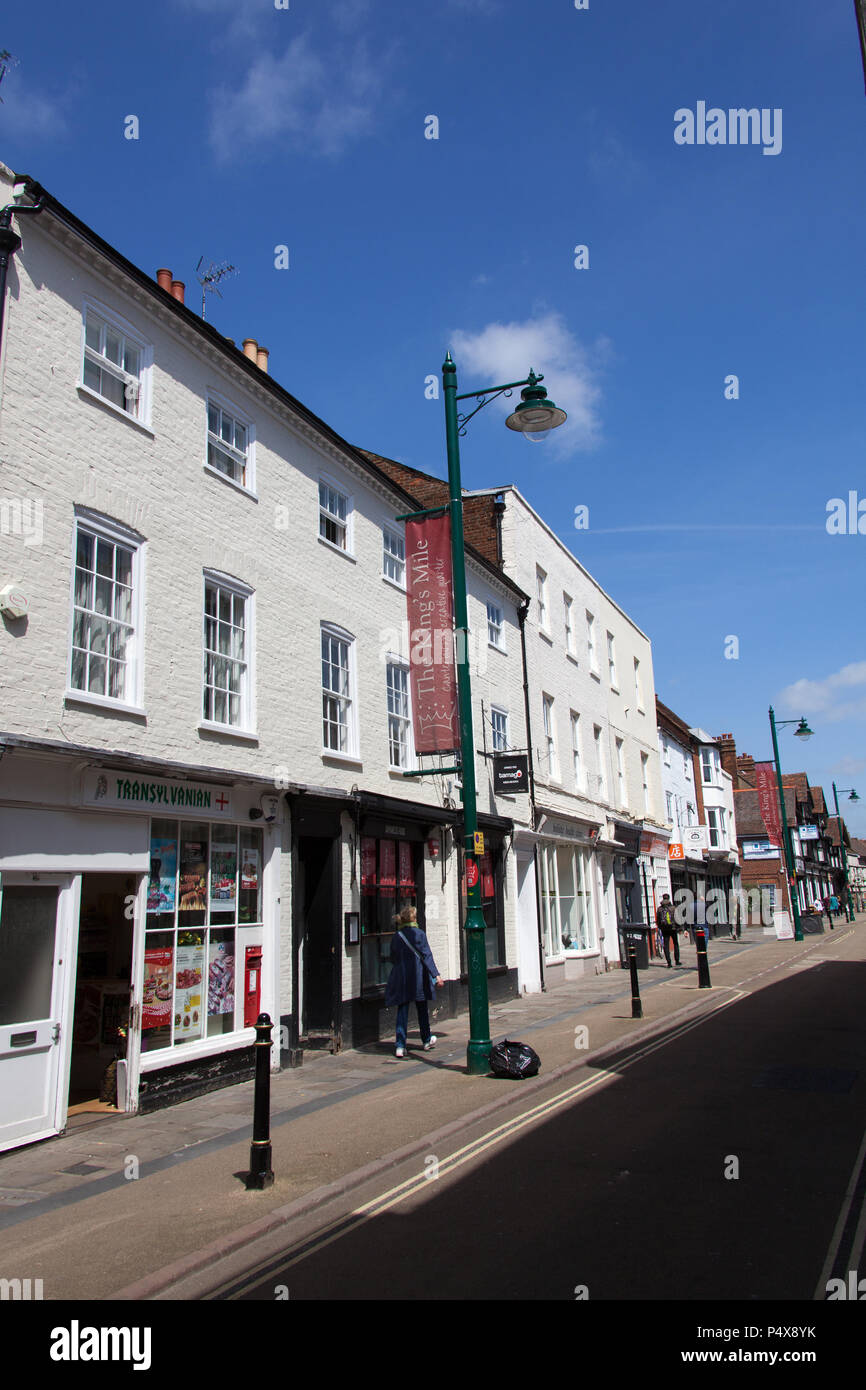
(849, 907)
(533, 417)
(802, 731)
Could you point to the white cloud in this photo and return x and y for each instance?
(27, 111)
(507, 351)
(296, 98)
(836, 697)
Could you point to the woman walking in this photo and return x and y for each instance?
(413, 976)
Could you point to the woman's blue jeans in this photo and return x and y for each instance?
(403, 1021)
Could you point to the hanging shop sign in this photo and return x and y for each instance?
(430, 607)
(676, 851)
(510, 773)
(695, 838)
(164, 795)
(808, 832)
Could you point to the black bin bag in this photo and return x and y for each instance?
(513, 1059)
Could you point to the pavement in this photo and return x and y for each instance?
(125, 1207)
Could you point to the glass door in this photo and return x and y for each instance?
(32, 942)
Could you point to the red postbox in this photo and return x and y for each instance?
(252, 985)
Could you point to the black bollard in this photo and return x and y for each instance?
(261, 1173)
(704, 981)
(636, 1005)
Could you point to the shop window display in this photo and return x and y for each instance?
(389, 870)
(205, 886)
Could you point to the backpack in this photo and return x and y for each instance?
(667, 917)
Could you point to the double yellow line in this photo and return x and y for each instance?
(422, 1181)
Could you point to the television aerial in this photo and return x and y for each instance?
(210, 278)
(6, 62)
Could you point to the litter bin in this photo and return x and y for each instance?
(634, 933)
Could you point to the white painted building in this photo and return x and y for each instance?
(205, 712)
(598, 802)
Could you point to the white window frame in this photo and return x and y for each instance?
(591, 651)
(549, 725)
(707, 759)
(638, 687)
(115, 533)
(247, 480)
(576, 752)
(666, 752)
(644, 768)
(611, 663)
(669, 804)
(568, 608)
(501, 733)
(600, 763)
(687, 767)
(246, 725)
(401, 664)
(495, 626)
(389, 556)
(541, 595)
(349, 548)
(141, 415)
(716, 827)
(351, 753)
(620, 772)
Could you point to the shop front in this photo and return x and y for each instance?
(138, 926)
(494, 863)
(571, 897)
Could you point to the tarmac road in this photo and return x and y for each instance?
(710, 1162)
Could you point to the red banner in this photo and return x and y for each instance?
(768, 802)
(487, 887)
(430, 606)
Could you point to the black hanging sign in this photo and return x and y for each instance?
(510, 773)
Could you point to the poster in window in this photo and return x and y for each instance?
(368, 864)
(387, 868)
(188, 1011)
(193, 876)
(250, 869)
(156, 1000)
(407, 875)
(223, 875)
(221, 978)
(163, 871)
(486, 865)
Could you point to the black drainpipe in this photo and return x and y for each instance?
(522, 611)
(10, 243)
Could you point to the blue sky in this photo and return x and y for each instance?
(305, 127)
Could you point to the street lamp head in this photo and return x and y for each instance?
(536, 416)
(853, 797)
(802, 730)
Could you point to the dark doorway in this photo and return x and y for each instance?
(102, 990)
(319, 862)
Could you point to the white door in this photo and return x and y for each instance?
(35, 922)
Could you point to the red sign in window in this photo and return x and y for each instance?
(471, 872)
(387, 867)
(487, 888)
(407, 875)
(368, 865)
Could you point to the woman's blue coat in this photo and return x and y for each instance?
(408, 979)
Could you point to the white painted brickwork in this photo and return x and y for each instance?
(62, 447)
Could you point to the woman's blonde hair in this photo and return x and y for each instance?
(409, 914)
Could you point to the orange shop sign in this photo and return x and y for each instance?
(675, 852)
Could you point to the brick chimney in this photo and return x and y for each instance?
(728, 755)
(746, 767)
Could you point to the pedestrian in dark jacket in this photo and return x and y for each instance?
(413, 976)
(666, 924)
